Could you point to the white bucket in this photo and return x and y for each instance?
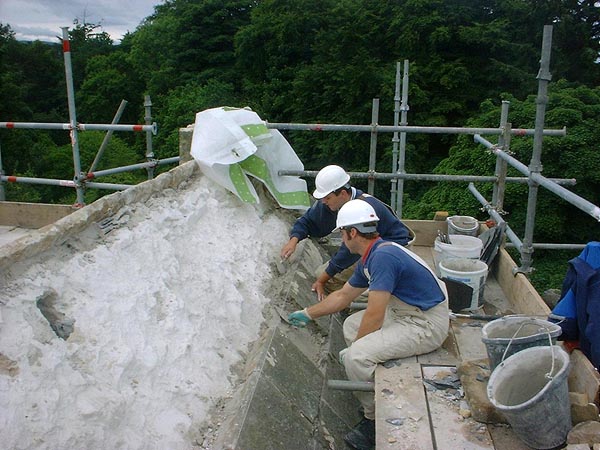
(465, 225)
(460, 247)
(472, 272)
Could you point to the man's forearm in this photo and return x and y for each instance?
(324, 278)
(368, 324)
(372, 319)
(333, 303)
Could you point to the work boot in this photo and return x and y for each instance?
(362, 437)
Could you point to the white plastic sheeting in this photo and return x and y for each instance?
(230, 143)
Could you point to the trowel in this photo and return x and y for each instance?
(281, 266)
(282, 314)
(454, 315)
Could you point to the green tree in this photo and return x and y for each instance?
(573, 156)
(86, 40)
(58, 162)
(181, 106)
(187, 41)
(110, 79)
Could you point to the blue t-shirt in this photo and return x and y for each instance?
(391, 269)
(319, 221)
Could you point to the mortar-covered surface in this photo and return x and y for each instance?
(152, 319)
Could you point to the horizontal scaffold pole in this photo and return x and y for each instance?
(46, 181)
(344, 385)
(109, 186)
(63, 183)
(573, 199)
(80, 126)
(143, 165)
(425, 177)
(408, 129)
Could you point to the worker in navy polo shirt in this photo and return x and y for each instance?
(407, 309)
(333, 190)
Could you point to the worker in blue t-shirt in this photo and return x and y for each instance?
(407, 309)
(332, 191)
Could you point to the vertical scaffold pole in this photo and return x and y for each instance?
(535, 166)
(148, 119)
(373, 152)
(395, 139)
(72, 117)
(402, 157)
(502, 165)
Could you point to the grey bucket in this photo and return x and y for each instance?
(466, 225)
(508, 335)
(530, 389)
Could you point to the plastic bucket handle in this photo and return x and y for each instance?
(549, 374)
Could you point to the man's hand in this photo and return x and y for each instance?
(289, 248)
(319, 288)
(299, 318)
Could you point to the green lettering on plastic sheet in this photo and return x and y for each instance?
(238, 178)
(258, 167)
(255, 129)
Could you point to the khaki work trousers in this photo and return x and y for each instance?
(406, 331)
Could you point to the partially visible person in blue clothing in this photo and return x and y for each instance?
(333, 190)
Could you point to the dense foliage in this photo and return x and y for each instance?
(324, 61)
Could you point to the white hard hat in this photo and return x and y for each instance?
(355, 214)
(329, 179)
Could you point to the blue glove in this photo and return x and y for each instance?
(342, 355)
(299, 318)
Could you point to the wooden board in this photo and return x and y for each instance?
(32, 215)
(452, 431)
(402, 421)
(426, 230)
(517, 288)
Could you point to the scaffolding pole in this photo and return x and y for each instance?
(395, 138)
(63, 183)
(535, 165)
(427, 177)
(549, 183)
(408, 129)
(145, 165)
(108, 135)
(148, 121)
(514, 240)
(373, 146)
(72, 117)
(80, 126)
(81, 180)
(501, 169)
(399, 162)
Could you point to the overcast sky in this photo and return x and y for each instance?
(43, 19)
